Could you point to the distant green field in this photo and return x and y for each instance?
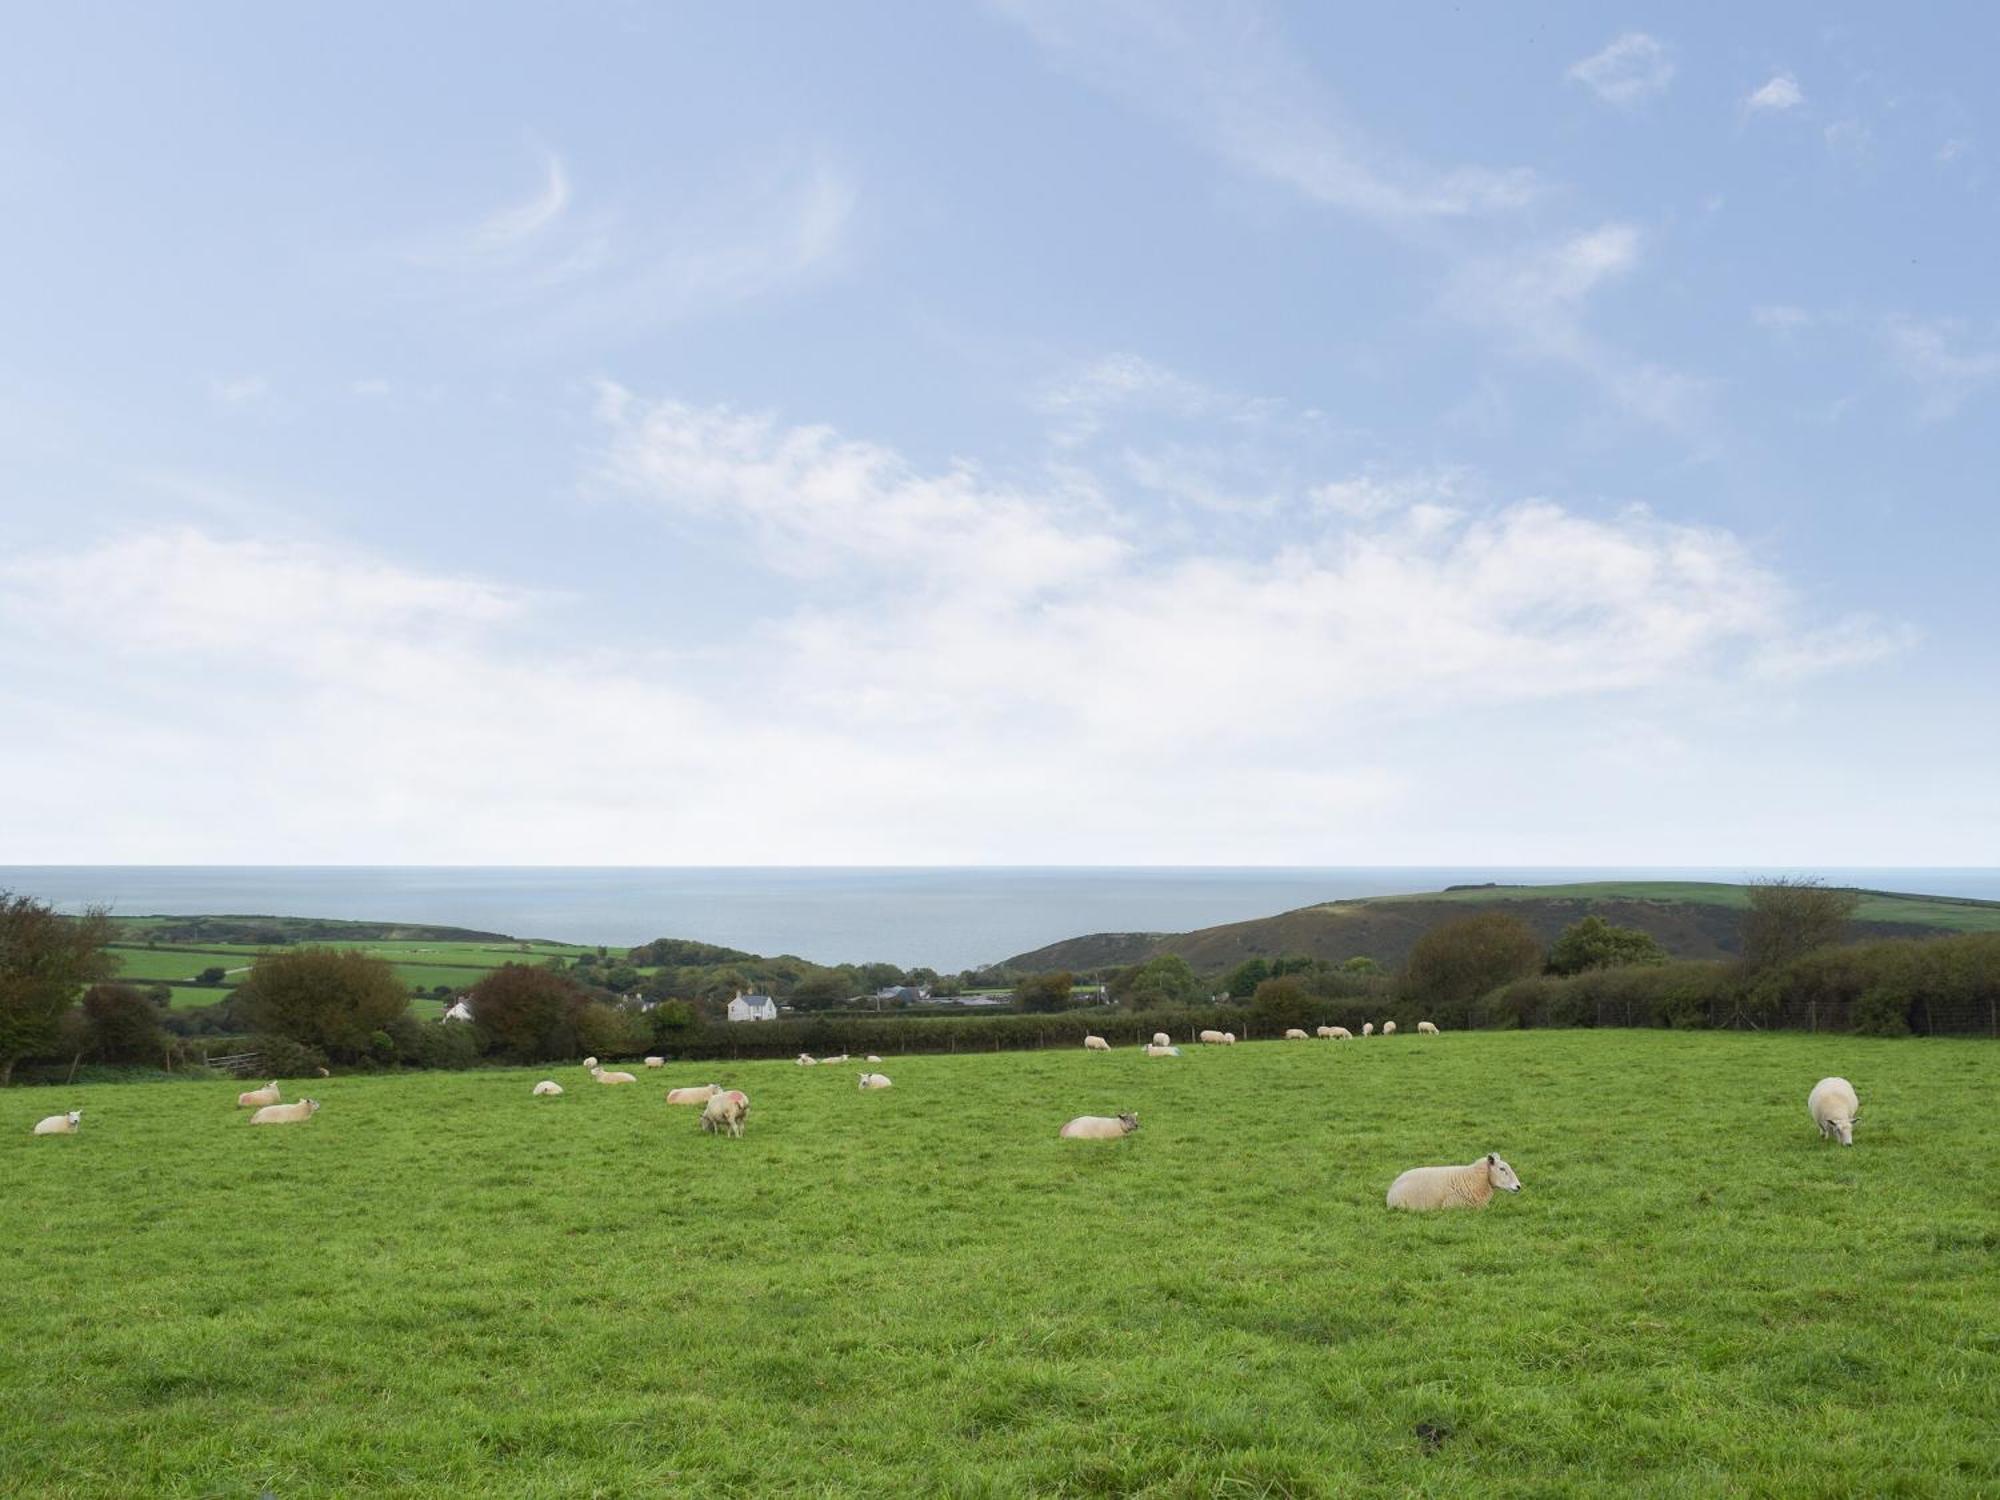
(1874, 906)
(428, 964)
(441, 1286)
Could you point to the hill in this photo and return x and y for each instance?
(1690, 919)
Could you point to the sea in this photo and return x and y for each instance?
(945, 919)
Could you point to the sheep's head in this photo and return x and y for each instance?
(312, 1106)
(76, 1117)
(1843, 1127)
(1501, 1175)
(1129, 1121)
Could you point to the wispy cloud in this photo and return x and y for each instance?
(1937, 358)
(239, 390)
(1628, 72)
(1780, 93)
(509, 227)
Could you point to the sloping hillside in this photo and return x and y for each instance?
(1689, 919)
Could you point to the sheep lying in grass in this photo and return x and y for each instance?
(806, 1060)
(1453, 1187)
(286, 1114)
(700, 1094)
(1096, 1044)
(258, 1098)
(1156, 1049)
(548, 1088)
(1161, 1039)
(725, 1113)
(603, 1077)
(1388, 1028)
(871, 1057)
(1425, 1028)
(68, 1124)
(656, 1062)
(1098, 1128)
(875, 1081)
(1833, 1106)
(1294, 1034)
(833, 1062)
(590, 1062)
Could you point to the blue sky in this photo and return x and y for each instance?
(1027, 432)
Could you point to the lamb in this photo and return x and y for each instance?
(1096, 1044)
(1368, 1028)
(1098, 1128)
(1340, 1033)
(1833, 1106)
(1388, 1028)
(1161, 1039)
(1210, 1039)
(875, 1081)
(258, 1098)
(1423, 1188)
(548, 1088)
(1154, 1049)
(1425, 1028)
(603, 1077)
(656, 1062)
(286, 1114)
(700, 1094)
(725, 1112)
(68, 1124)
(1293, 1034)
(590, 1062)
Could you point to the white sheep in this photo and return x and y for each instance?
(1833, 1106)
(833, 1062)
(603, 1077)
(1161, 1039)
(1324, 1033)
(1154, 1049)
(1098, 1127)
(1293, 1034)
(699, 1094)
(1425, 1028)
(68, 1124)
(725, 1112)
(1229, 1039)
(548, 1088)
(656, 1062)
(875, 1081)
(806, 1059)
(258, 1098)
(1368, 1028)
(1210, 1039)
(286, 1114)
(1388, 1028)
(1340, 1033)
(871, 1057)
(590, 1062)
(1453, 1187)
(1096, 1044)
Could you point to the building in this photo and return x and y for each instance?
(904, 994)
(459, 1012)
(753, 1008)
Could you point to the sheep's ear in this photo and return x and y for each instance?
(1491, 1159)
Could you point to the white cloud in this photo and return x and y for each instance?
(1780, 93)
(509, 227)
(240, 390)
(1934, 357)
(1628, 72)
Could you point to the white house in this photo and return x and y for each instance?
(459, 1012)
(753, 1008)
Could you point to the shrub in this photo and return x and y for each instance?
(1594, 943)
(45, 959)
(1454, 964)
(1279, 1003)
(1044, 992)
(529, 1014)
(1166, 980)
(604, 1030)
(434, 1044)
(322, 998)
(286, 1057)
(122, 1025)
(1880, 1011)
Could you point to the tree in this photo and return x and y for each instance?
(1594, 943)
(1044, 992)
(213, 974)
(1457, 962)
(331, 999)
(528, 1013)
(1241, 982)
(122, 1024)
(45, 960)
(820, 990)
(1789, 917)
(1361, 963)
(1282, 1002)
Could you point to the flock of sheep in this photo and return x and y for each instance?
(1832, 1105)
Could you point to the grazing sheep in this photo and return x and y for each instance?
(1324, 1033)
(1098, 1128)
(258, 1098)
(1368, 1028)
(1453, 1187)
(1161, 1039)
(1388, 1028)
(656, 1062)
(1154, 1049)
(1425, 1028)
(603, 1077)
(700, 1094)
(875, 1081)
(1833, 1106)
(68, 1124)
(1341, 1033)
(1229, 1039)
(1293, 1034)
(548, 1088)
(286, 1114)
(590, 1062)
(725, 1112)
(1210, 1039)
(871, 1057)
(1096, 1044)
(806, 1060)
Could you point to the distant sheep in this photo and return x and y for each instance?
(656, 1062)
(1293, 1034)
(1324, 1033)
(590, 1062)
(270, 1093)
(68, 1124)
(1368, 1028)
(1098, 1128)
(1229, 1039)
(875, 1081)
(871, 1057)
(603, 1077)
(286, 1114)
(1096, 1044)
(1833, 1106)
(1161, 1039)
(1210, 1039)
(1425, 1028)
(1340, 1033)
(725, 1114)
(1388, 1028)
(807, 1060)
(833, 1062)
(1472, 1186)
(700, 1094)
(1155, 1049)
(548, 1088)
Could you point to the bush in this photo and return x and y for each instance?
(286, 1057)
(45, 959)
(1044, 992)
(602, 1030)
(325, 999)
(434, 1044)
(1281, 1003)
(1166, 980)
(528, 1014)
(1594, 943)
(122, 1025)
(1456, 963)
(1880, 1011)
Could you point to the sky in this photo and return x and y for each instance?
(1036, 432)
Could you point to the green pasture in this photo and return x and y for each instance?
(459, 965)
(443, 1286)
(1874, 906)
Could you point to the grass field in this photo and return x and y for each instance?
(442, 1286)
(1960, 915)
(459, 965)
